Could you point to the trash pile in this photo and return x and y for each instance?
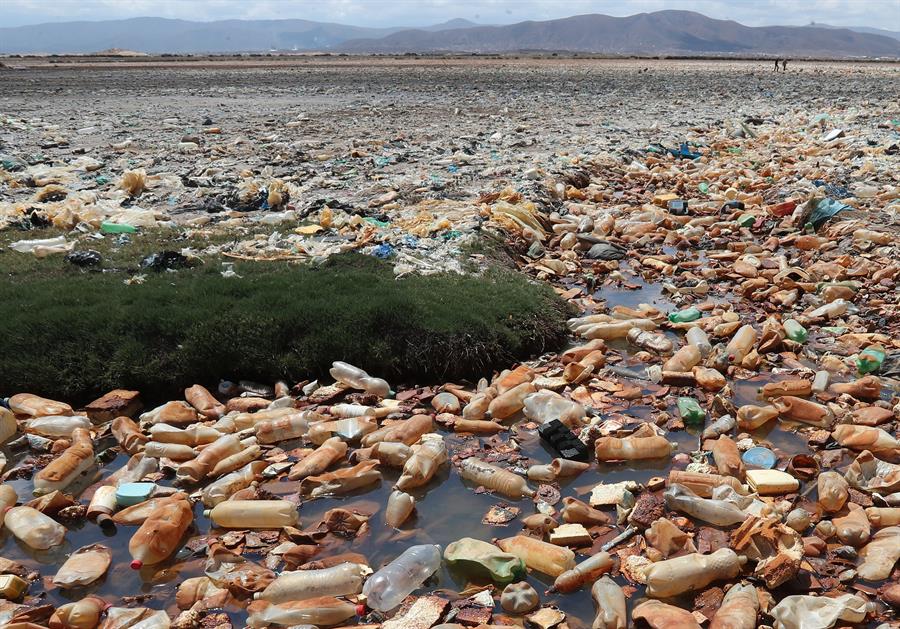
(719, 446)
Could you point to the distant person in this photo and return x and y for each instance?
(784, 65)
(777, 61)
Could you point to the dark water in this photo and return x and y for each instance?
(447, 509)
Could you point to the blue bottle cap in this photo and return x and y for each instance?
(128, 494)
(760, 457)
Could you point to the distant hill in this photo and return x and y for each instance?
(862, 29)
(662, 32)
(161, 35)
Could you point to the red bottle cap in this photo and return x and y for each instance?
(361, 609)
(136, 564)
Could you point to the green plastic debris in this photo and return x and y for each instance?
(870, 359)
(101, 180)
(703, 187)
(115, 228)
(795, 331)
(746, 220)
(685, 316)
(690, 411)
(481, 559)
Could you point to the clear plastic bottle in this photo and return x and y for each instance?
(36, 406)
(359, 379)
(385, 589)
(495, 479)
(173, 451)
(57, 425)
(253, 514)
(546, 405)
(685, 359)
(672, 577)
(649, 341)
(510, 402)
(33, 528)
(197, 434)
(609, 599)
(717, 512)
(697, 337)
(740, 344)
(283, 428)
(425, 461)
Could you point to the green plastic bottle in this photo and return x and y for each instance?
(746, 220)
(685, 316)
(116, 228)
(690, 411)
(795, 331)
(870, 359)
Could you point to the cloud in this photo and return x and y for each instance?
(880, 13)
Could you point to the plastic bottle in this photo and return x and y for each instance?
(198, 434)
(717, 512)
(587, 571)
(684, 359)
(12, 587)
(290, 426)
(509, 380)
(8, 425)
(865, 388)
(649, 341)
(253, 514)
(393, 453)
(709, 379)
(333, 450)
(690, 411)
(806, 411)
(341, 481)
(685, 316)
(577, 511)
(880, 555)
(56, 425)
(234, 461)
(8, 499)
(740, 344)
(631, 448)
(738, 610)
(751, 417)
(881, 517)
(399, 507)
(511, 402)
(609, 599)
(477, 408)
(407, 431)
(33, 528)
(68, 466)
(103, 505)
(721, 426)
(557, 468)
(495, 479)
(349, 429)
(160, 534)
(128, 434)
(341, 580)
(196, 469)
(703, 484)
(795, 331)
(870, 359)
(324, 611)
(359, 379)
(424, 462)
(35, 406)
(875, 440)
(697, 337)
(385, 589)
(206, 404)
(173, 451)
(545, 405)
(220, 490)
(616, 330)
(833, 491)
(538, 555)
(786, 387)
(727, 457)
(82, 614)
(672, 577)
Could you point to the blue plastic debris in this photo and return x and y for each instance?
(383, 251)
(825, 209)
(759, 457)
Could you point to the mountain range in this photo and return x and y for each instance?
(661, 32)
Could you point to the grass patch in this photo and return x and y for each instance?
(72, 334)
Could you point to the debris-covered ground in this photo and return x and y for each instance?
(717, 446)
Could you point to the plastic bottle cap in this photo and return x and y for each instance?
(137, 564)
(361, 609)
(206, 512)
(257, 596)
(759, 457)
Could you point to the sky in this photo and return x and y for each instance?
(877, 13)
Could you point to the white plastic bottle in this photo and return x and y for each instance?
(253, 514)
(33, 528)
(697, 337)
(385, 589)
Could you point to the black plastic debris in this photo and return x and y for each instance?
(88, 257)
(563, 440)
(165, 261)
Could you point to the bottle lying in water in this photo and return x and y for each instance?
(385, 589)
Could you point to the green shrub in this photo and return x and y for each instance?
(78, 334)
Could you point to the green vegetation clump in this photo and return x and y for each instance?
(73, 334)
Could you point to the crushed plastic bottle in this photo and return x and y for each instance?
(385, 589)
